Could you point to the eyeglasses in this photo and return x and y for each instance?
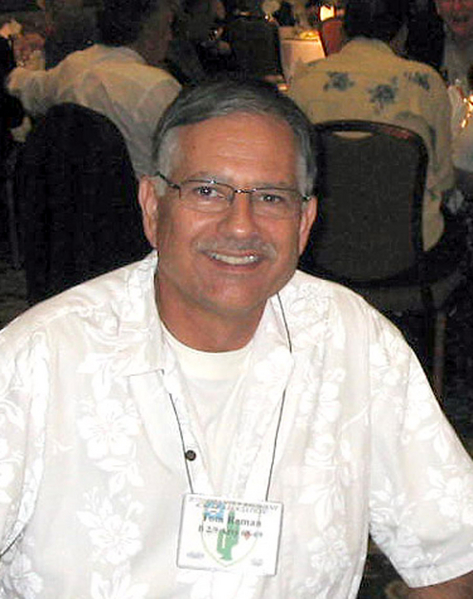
(215, 197)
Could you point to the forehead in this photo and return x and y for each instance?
(240, 140)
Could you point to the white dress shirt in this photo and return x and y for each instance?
(114, 81)
(91, 461)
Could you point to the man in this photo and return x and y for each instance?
(213, 424)
(368, 80)
(120, 77)
(457, 58)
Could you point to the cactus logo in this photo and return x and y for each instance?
(226, 538)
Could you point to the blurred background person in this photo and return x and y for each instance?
(457, 55)
(122, 76)
(198, 48)
(370, 80)
(441, 34)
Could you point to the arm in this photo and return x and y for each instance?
(24, 382)
(458, 588)
(422, 482)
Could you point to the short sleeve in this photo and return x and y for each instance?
(24, 380)
(421, 499)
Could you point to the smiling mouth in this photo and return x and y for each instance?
(235, 260)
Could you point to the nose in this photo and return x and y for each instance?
(239, 218)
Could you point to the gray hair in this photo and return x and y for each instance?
(229, 96)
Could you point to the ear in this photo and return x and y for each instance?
(149, 200)
(309, 212)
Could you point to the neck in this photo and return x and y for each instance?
(207, 331)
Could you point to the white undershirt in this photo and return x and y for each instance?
(215, 383)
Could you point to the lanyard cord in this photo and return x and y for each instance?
(278, 425)
(283, 402)
(183, 445)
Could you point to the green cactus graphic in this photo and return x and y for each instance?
(228, 538)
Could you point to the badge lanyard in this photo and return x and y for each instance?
(278, 425)
(222, 534)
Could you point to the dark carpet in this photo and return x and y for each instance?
(380, 581)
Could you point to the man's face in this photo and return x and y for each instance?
(458, 16)
(226, 264)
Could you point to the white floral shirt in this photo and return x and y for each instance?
(91, 462)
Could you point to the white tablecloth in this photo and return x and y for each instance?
(295, 50)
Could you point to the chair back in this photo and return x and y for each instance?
(371, 186)
(332, 35)
(77, 201)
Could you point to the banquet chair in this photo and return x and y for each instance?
(77, 201)
(368, 234)
(332, 35)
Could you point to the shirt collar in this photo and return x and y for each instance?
(140, 341)
(369, 45)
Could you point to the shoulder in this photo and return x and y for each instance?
(126, 66)
(91, 308)
(159, 77)
(338, 324)
(424, 70)
(308, 295)
(355, 56)
(319, 66)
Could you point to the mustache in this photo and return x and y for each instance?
(230, 244)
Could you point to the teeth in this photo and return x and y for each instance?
(235, 260)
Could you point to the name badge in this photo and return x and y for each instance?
(229, 535)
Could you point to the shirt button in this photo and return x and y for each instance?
(190, 455)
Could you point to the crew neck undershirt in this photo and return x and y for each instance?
(215, 381)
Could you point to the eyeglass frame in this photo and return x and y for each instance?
(178, 186)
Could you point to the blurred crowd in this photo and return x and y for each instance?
(209, 37)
